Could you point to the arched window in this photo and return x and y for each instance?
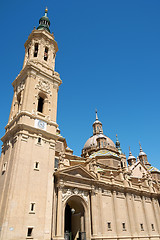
(40, 104)
(46, 53)
(28, 52)
(36, 50)
(121, 164)
(19, 100)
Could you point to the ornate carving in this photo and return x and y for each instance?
(44, 86)
(20, 87)
(69, 192)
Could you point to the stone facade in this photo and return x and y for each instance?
(49, 193)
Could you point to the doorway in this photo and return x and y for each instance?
(74, 226)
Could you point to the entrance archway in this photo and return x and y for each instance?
(74, 225)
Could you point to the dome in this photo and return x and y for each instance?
(141, 151)
(142, 154)
(92, 141)
(131, 157)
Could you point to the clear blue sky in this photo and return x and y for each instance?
(108, 58)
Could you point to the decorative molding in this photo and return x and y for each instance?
(147, 199)
(52, 146)
(137, 198)
(24, 138)
(120, 195)
(44, 86)
(69, 192)
(107, 193)
(20, 87)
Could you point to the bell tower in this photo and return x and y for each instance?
(28, 150)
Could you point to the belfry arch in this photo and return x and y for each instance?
(75, 215)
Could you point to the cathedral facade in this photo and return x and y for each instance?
(46, 192)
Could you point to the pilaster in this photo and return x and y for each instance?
(59, 211)
(94, 212)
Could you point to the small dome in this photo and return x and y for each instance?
(141, 152)
(92, 141)
(97, 121)
(131, 157)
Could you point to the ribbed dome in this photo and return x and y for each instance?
(92, 141)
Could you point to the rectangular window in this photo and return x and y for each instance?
(109, 226)
(152, 226)
(56, 163)
(29, 232)
(36, 165)
(4, 168)
(141, 225)
(36, 50)
(123, 226)
(46, 54)
(39, 140)
(40, 104)
(32, 207)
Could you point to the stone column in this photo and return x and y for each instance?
(94, 212)
(82, 224)
(59, 212)
(54, 213)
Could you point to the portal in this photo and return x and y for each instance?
(74, 220)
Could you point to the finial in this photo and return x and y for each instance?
(46, 11)
(118, 145)
(130, 154)
(96, 114)
(140, 146)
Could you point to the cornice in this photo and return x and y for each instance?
(32, 116)
(30, 129)
(55, 77)
(105, 185)
(42, 33)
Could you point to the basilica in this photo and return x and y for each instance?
(47, 192)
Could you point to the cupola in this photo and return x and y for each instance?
(131, 159)
(44, 22)
(97, 126)
(143, 156)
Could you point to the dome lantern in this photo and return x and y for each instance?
(118, 145)
(44, 22)
(97, 126)
(143, 156)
